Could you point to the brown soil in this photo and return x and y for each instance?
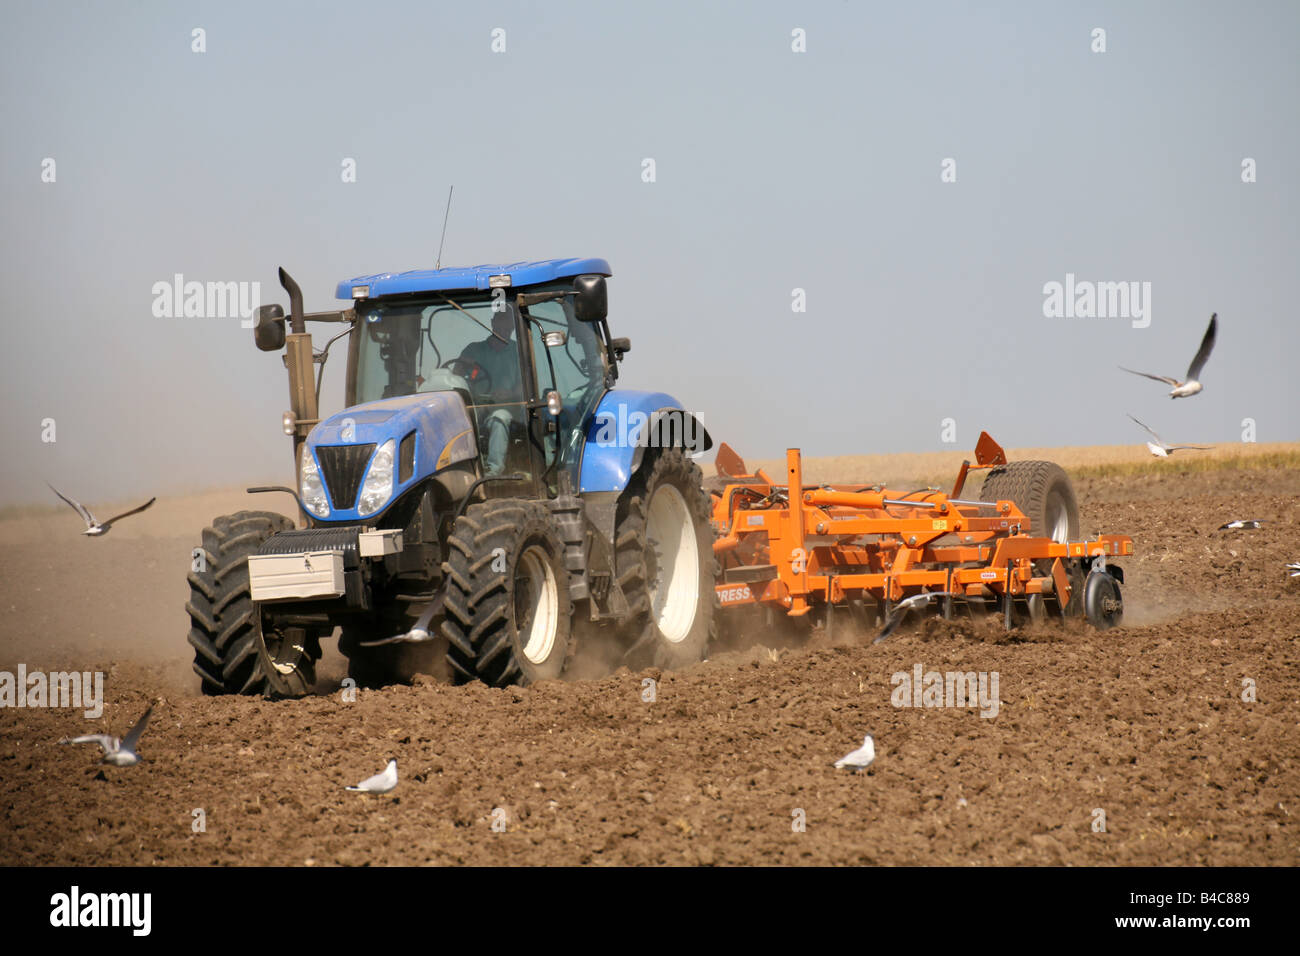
(1146, 722)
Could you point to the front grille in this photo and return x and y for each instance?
(343, 467)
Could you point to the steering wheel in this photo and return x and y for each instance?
(479, 378)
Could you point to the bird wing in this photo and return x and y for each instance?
(862, 757)
(894, 619)
(1193, 447)
(127, 514)
(1203, 354)
(76, 506)
(379, 781)
(1159, 378)
(133, 735)
(107, 742)
(1148, 430)
(899, 611)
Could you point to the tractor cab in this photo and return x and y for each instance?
(528, 368)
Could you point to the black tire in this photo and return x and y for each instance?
(1042, 490)
(224, 626)
(1102, 601)
(638, 565)
(505, 572)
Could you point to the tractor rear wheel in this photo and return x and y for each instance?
(665, 563)
(1042, 490)
(224, 628)
(507, 616)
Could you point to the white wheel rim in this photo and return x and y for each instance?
(675, 586)
(537, 636)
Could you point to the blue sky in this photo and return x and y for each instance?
(775, 170)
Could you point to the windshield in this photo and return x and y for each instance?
(440, 344)
(470, 343)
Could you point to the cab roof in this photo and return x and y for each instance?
(471, 277)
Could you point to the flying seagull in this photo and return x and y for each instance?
(1192, 385)
(1161, 450)
(861, 758)
(1240, 524)
(380, 782)
(901, 609)
(118, 751)
(95, 528)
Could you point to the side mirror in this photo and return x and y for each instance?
(268, 330)
(590, 298)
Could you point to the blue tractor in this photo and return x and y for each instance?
(488, 500)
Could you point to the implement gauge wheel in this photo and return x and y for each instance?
(1102, 601)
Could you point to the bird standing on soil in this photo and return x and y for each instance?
(1192, 385)
(381, 782)
(95, 528)
(861, 758)
(118, 751)
(1161, 450)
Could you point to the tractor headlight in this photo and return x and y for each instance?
(378, 487)
(310, 489)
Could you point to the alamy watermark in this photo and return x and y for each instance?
(922, 688)
(84, 689)
(1085, 299)
(206, 300)
(624, 428)
(129, 910)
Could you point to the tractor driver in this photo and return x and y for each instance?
(491, 366)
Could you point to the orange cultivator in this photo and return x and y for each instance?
(801, 548)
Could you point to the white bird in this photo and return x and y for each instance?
(1161, 450)
(95, 528)
(380, 782)
(1241, 523)
(861, 758)
(901, 609)
(1192, 385)
(1294, 569)
(118, 751)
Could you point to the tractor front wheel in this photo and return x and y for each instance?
(230, 656)
(507, 616)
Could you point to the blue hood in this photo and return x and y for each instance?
(443, 434)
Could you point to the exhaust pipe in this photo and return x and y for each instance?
(302, 378)
(297, 323)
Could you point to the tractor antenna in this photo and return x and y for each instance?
(445, 216)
